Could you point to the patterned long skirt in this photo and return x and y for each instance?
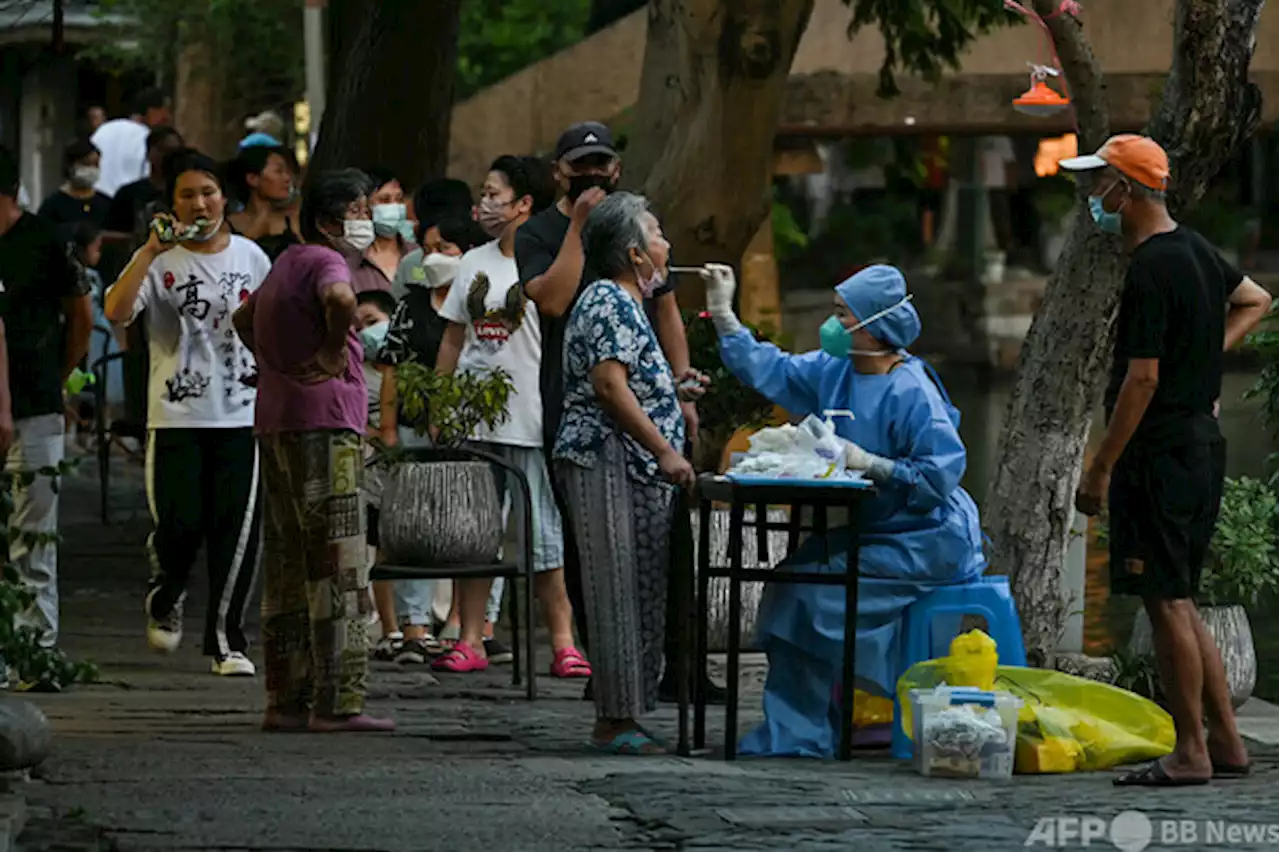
(622, 530)
(315, 606)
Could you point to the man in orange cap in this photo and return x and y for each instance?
(1161, 463)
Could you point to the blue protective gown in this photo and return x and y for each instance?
(921, 530)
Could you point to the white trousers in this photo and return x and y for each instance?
(38, 443)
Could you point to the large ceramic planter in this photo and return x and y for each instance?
(1229, 627)
(440, 513)
(718, 592)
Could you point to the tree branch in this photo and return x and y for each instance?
(1208, 107)
(1083, 74)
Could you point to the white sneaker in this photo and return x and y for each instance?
(234, 664)
(165, 634)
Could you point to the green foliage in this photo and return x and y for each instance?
(728, 404)
(925, 36)
(455, 405)
(1242, 563)
(256, 45)
(497, 38)
(1138, 674)
(789, 239)
(1266, 340)
(1221, 219)
(39, 669)
(1055, 199)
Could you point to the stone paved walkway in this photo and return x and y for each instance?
(163, 756)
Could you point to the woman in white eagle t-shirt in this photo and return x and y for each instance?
(202, 459)
(493, 325)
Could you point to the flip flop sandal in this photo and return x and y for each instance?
(633, 742)
(569, 663)
(1154, 775)
(460, 659)
(1230, 770)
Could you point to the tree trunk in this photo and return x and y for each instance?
(390, 92)
(711, 90)
(1208, 107)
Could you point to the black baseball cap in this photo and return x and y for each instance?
(589, 137)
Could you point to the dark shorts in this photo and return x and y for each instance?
(371, 527)
(1164, 506)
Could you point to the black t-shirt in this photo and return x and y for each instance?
(537, 244)
(415, 331)
(133, 207)
(64, 212)
(1174, 308)
(37, 271)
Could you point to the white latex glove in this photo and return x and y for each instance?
(721, 284)
(875, 467)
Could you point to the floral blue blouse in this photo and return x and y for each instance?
(607, 324)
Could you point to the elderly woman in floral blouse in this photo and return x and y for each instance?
(618, 458)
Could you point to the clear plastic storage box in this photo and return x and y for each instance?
(964, 733)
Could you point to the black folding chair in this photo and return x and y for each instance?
(520, 567)
(106, 431)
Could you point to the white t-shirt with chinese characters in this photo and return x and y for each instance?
(198, 364)
(502, 331)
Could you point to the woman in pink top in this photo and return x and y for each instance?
(312, 412)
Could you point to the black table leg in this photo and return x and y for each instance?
(703, 581)
(735, 631)
(684, 592)
(849, 668)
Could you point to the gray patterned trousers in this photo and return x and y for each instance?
(622, 529)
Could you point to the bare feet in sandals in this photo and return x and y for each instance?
(1166, 772)
(624, 736)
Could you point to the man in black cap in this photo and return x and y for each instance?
(551, 264)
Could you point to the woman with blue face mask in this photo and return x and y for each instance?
(920, 529)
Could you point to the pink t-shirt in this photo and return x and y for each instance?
(288, 328)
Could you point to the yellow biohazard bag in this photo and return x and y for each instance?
(871, 709)
(1066, 724)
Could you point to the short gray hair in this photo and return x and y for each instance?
(613, 227)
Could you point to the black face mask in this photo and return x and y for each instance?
(579, 184)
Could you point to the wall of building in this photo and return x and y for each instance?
(834, 80)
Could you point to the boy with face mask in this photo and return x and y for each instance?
(76, 200)
(1161, 464)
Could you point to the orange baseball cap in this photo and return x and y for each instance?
(1139, 158)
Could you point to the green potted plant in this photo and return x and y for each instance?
(1241, 567)
(728, 404)
(440, 507)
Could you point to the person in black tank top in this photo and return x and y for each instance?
(262, 178)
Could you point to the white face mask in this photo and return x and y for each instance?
(439, 270)
(205, 229)
(83, 177)
(358, 233)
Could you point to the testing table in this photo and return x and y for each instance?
(737, 494)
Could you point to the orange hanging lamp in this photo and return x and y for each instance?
(1041, 99)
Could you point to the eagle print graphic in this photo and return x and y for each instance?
(494, 327)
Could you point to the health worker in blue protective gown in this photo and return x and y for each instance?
(919, 531)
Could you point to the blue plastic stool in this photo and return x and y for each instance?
(988, 597)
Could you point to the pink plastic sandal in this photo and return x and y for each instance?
(461, 658)
(570, 663)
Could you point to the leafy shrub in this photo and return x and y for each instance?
(1242, 563)
(455, 405)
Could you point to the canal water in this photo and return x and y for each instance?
(982, 397)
